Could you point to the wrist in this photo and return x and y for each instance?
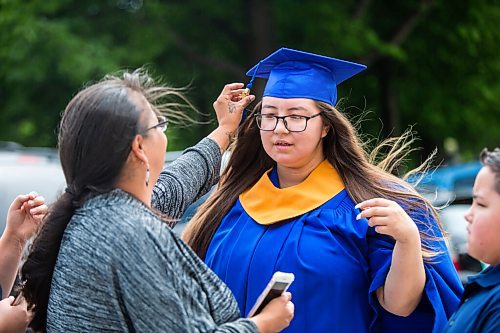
(13, 241)
(260, 323)
(411, 236)
(223, 136)
(227, 128)
(411, 241)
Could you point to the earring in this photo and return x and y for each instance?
(147, 174)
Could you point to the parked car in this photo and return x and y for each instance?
(450, 189)
(25, 169)
(449, 183)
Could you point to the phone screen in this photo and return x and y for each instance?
(275, 291)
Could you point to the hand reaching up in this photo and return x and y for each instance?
(24, 216)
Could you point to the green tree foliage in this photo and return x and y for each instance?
(432, 63)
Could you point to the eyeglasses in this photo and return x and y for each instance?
(162, 124)
(293, 123)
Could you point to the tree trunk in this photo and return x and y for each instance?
(390, 113)
(262, 37)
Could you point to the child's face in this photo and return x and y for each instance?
(483, 217)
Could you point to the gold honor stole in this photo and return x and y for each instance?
(267, 204)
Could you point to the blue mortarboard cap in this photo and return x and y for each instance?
(298, 74)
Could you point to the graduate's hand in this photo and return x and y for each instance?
(390, 219)
(24, 216)
(276, 315)
(230, 104)
(14, 318)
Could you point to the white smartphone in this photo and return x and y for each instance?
(278, 285)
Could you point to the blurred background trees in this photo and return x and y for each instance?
(433, 64)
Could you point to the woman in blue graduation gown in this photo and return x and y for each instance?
(289, 204)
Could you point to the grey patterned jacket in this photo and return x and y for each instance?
(121, 269)
(186, 179)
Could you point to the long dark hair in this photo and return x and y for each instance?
(362, 176)
(95, 136)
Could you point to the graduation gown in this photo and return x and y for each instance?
(311, 230)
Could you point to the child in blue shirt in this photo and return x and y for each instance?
(479, 309)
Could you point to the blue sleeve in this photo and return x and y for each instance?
(442, 289)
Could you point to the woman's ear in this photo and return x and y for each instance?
(137, 151)
(326, 129)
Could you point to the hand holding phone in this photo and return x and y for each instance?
(278, 284)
